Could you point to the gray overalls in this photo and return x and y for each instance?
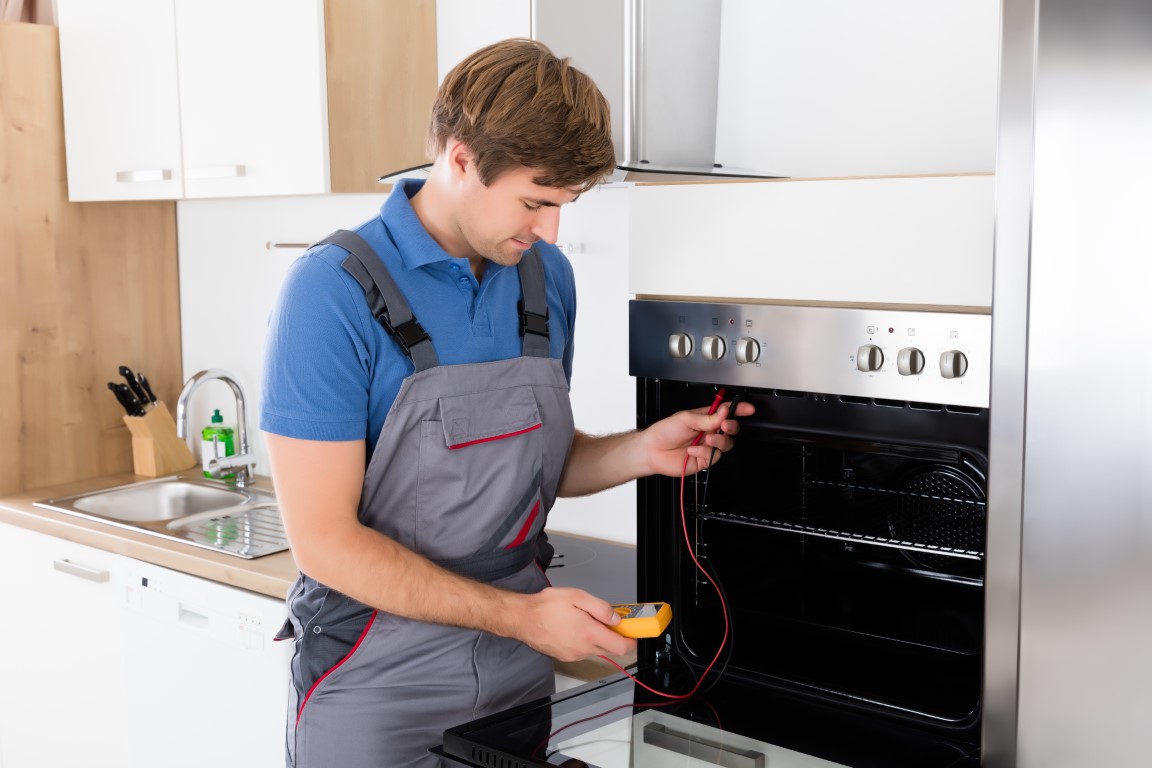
(464, 472)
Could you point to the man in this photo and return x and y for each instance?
(416, 404)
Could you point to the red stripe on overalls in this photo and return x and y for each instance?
(495, 437)
(520, 537)
(355, 647)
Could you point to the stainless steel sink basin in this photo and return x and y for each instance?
(166, 500)
(202, 512)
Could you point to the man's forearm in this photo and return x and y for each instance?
(377, 571)
(568, 624)
(596, 463)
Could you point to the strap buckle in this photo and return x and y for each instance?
(530, 322)
(407, 335)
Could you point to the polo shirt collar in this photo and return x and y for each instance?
(416, 246)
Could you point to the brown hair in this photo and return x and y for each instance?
(515, 103)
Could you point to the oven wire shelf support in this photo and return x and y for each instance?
(907, 520)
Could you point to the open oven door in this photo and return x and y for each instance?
(616, 723)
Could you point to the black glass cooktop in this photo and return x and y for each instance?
(615, 723)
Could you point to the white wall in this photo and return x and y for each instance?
(229, 280)
(603, 394)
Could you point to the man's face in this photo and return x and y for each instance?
(502, 220)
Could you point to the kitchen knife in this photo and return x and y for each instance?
(130, 400)
(133, 385)
(142, 380)
(125, 397)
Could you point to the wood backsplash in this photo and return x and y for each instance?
(84, 288)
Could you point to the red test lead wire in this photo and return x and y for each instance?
(723, 604)
(711, 410)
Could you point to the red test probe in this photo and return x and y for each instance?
(711, 410)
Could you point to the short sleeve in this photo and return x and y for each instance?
(318, 355)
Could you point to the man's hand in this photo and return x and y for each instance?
(667, 441)
(567, 624)
(596, 463)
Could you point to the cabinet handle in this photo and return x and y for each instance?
(693, 746)
(270, 245)
(162, 174)
(216, 172)
(635, 149)
(97, 575)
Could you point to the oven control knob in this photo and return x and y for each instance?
(869, 358)
(953, 364)
(680, 345)
(747, 350)
(910, 361)
(713, 347)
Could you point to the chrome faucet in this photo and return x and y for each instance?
(242, 463)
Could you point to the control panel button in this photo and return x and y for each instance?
(869, 358)
(909, 361)
(679, 345)
(953, 364)
(747, 350)
(713, 347)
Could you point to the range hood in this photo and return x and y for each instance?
(627, 174)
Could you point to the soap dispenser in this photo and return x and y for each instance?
(216, 442)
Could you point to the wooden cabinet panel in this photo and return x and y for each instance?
(84, 288)
(381, 58)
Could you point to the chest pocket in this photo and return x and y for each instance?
(480, 473)
(470, 420)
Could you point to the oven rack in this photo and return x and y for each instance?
(929, 524)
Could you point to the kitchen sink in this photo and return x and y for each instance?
(164, 500)
(206, 513)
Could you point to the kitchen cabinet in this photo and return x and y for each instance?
(59, 654)
(109, 661)
(221, 98)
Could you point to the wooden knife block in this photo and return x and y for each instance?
(155, 448)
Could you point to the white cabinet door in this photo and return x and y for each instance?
(121, 106)
(252, 97)
(60, 654)
(208, 685)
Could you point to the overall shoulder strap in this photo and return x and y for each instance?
(384, 298)
(533, 305)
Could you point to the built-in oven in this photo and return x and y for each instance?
(826, 578)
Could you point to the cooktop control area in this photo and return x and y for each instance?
(930, 357)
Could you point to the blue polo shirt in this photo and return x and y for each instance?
(331, 371)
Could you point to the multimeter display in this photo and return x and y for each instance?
(642, 619)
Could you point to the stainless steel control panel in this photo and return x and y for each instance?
(931, 357)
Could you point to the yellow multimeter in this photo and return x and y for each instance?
(642, 619)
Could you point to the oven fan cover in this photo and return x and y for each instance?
(943, 506)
